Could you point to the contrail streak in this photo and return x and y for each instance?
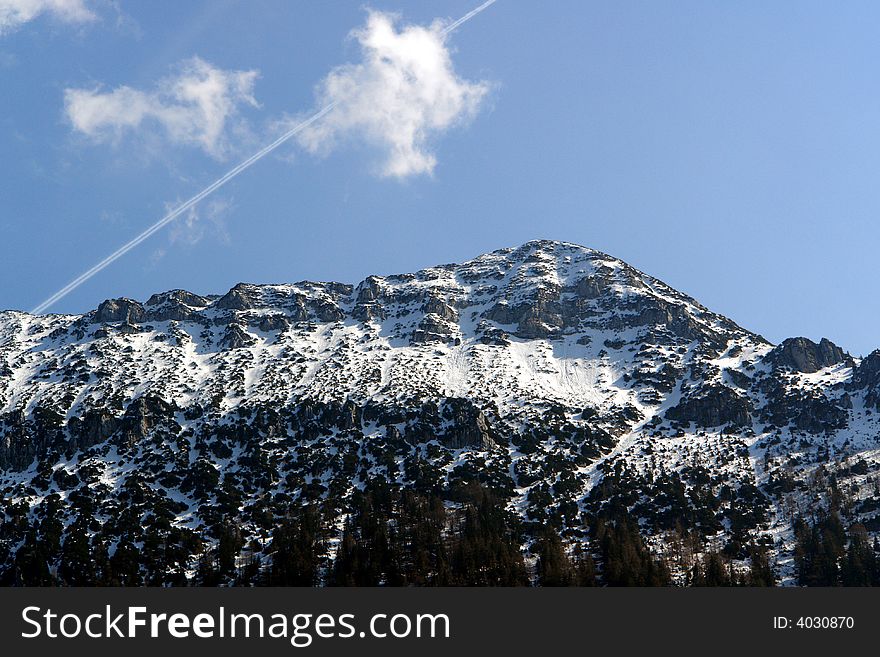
(232, 173)
(171, 216)
(464, 19)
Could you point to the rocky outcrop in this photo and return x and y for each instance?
(119, 310)
(541, 316)
(240, 297)
(804, 355)
(235, 337)
(93, 427)
(175, 305)
(438, 307)
(184, 306)
(273, 323)
(468, 427)
(327, 311)
(178, 297)
(141, 419)
(866, 377)
(713, 407)
(867, 374)
(23, 438)
(811, 411)
(433, 328)
(591, 287)
(817, 414)
(368, 305)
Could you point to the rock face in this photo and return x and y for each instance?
(468, 426)
(714, 407)
(176, 305)
(178, 297)
(236, 337)
(119, 310)
(804, 355)
(142, 417)
(94, 427)
(563, 379)
(240, 297)
(866, 378)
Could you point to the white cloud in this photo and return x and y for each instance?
(194, 225)
(402, 94)
(191, 228)
(194, 107)
(15, 13)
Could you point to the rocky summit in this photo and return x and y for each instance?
(534, 406)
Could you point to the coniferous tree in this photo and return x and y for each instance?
(77, 567)
(584, 568)
(760, 571)
(554, 568)
(298, 548)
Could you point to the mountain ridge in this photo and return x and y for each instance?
(566, 381)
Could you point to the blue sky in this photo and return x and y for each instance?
(730, 149)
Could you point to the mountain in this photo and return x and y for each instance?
(575, 402)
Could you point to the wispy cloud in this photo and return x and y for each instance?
(192, 227)
(198, 106)
(15, 13)
(402, 94)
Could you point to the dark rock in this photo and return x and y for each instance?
(369, 290)
(240, 297)
(591, 287)
(273, 323)
(23, 439)
(178, 297)
(712, 407)
(434, 306)
(818, 414)
(350, 415)
(867, 377)
(368, 304)
(502, 313)
(269, 422)
(867, 374)
(739, 379)
(539, 317)
(493, 335)
(804, 355)
(119, 310)
(325, 311)
(236, 337)
(662, 380)
(392, 435)
(94, 427)
(812, 411)
(432, 329)
(297, 311)
(469, 427)
(141, 417)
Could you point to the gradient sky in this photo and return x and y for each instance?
(730, 149)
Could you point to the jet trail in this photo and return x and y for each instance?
(171, 216)
(232, 173)
(464, 19)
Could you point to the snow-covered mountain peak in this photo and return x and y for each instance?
(565, 377)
